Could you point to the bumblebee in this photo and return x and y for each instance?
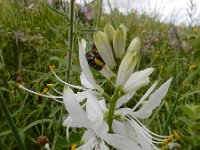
(94, 59)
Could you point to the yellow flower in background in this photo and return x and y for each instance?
(1, 2)
(193, 66)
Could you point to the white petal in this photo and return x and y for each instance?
(80, 96)
(144, 141)
(119, 41)
(134, 45)
(93, 109)
(89, 145)
(70, 122)
(104, 48)
(102, 103)
(88, 134)
(85, 82)
(95, 115)
(128, 62)
(123, 112)
(138, 80)
(153, 102)
(74, 108)
(121, 142)
(107, 72)
(126, 67)
(124, 99)
(109, 31)
(85, 67)
(125, 129)
(145, 96)
(119, 128)
(103, 146)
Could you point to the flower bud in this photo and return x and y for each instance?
(104, 48)
(109, 31)
(119, 41)
(128, 63)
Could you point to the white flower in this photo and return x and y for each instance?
(90, 119)
(132, 128)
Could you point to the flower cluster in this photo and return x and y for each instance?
(106, 121)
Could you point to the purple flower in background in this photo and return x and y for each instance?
(85, 13)
(88, 15)
(84, 9)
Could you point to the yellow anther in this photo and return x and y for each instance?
(163, 147)
(170, 138)
(98, 62)
(73, 147)
(176, 135)
(50, 85)
(45, 91)
(52, 68)
(193, 66)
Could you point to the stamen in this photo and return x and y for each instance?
(50, 85)
(73, 147)
(52, 68)
(147, 130)
(169, 139)
(47, 96)
(57, 91)
(45, 91)
(176, 135)
(70, 85)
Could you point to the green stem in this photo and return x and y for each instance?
(98, 13)
(71, 37)
(169, 118)
(112, 108)
(11, 123)
(112, 17)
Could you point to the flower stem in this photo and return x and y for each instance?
(98, 13)
(112, 108)
(71, 37)
(169, 118)
(11, 123)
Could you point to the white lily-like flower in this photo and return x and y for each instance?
(90, 119)
(95, 136)
(132, 128)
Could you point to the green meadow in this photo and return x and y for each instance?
(34, 36)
